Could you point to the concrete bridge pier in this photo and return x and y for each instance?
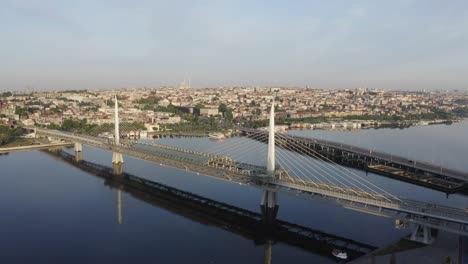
(118, 168)
(269, 206)
(422, 234)
(78, 152)
(117, 157)
(78, 156)
(117, 163)
(78, 147)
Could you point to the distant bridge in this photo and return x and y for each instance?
(35, 147)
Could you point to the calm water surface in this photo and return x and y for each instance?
(53, 212)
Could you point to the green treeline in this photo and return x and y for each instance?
(197, 125)
(82, 126)
(75, 91)
(148, 101)
(8, 135)
(459, 112)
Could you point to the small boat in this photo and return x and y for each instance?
(217, 136)
(340, 254)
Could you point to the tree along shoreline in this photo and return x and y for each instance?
(378, 120)
(9, 135)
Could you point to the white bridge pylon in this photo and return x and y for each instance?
(116, 156)
(269, 198)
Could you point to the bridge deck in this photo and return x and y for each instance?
(31, 147)
(184, 162)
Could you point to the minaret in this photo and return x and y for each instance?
(271, 143)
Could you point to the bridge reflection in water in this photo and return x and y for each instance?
(251, 225)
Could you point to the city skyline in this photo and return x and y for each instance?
(399, 45)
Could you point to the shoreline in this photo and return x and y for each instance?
(349, 125)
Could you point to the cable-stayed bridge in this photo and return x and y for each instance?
(290, 170)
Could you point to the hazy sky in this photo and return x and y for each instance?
(83, 44)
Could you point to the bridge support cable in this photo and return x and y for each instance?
(233, 142)
(130, 130)
(311, 166)
(240, 147)
(227, 149)
(293, 152)
(342, 168)
(283, 161)
(264, 137)
(97, 130)
(285, 169)
(337, 172)
(322, 157)
(233, 148)
(93, 131)
(251, 149)
(247, 144)
(245, 141)
(320, 179)
(236, 149)
(330, 173)
(185, 142)
(284, 155)
(223, 145)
